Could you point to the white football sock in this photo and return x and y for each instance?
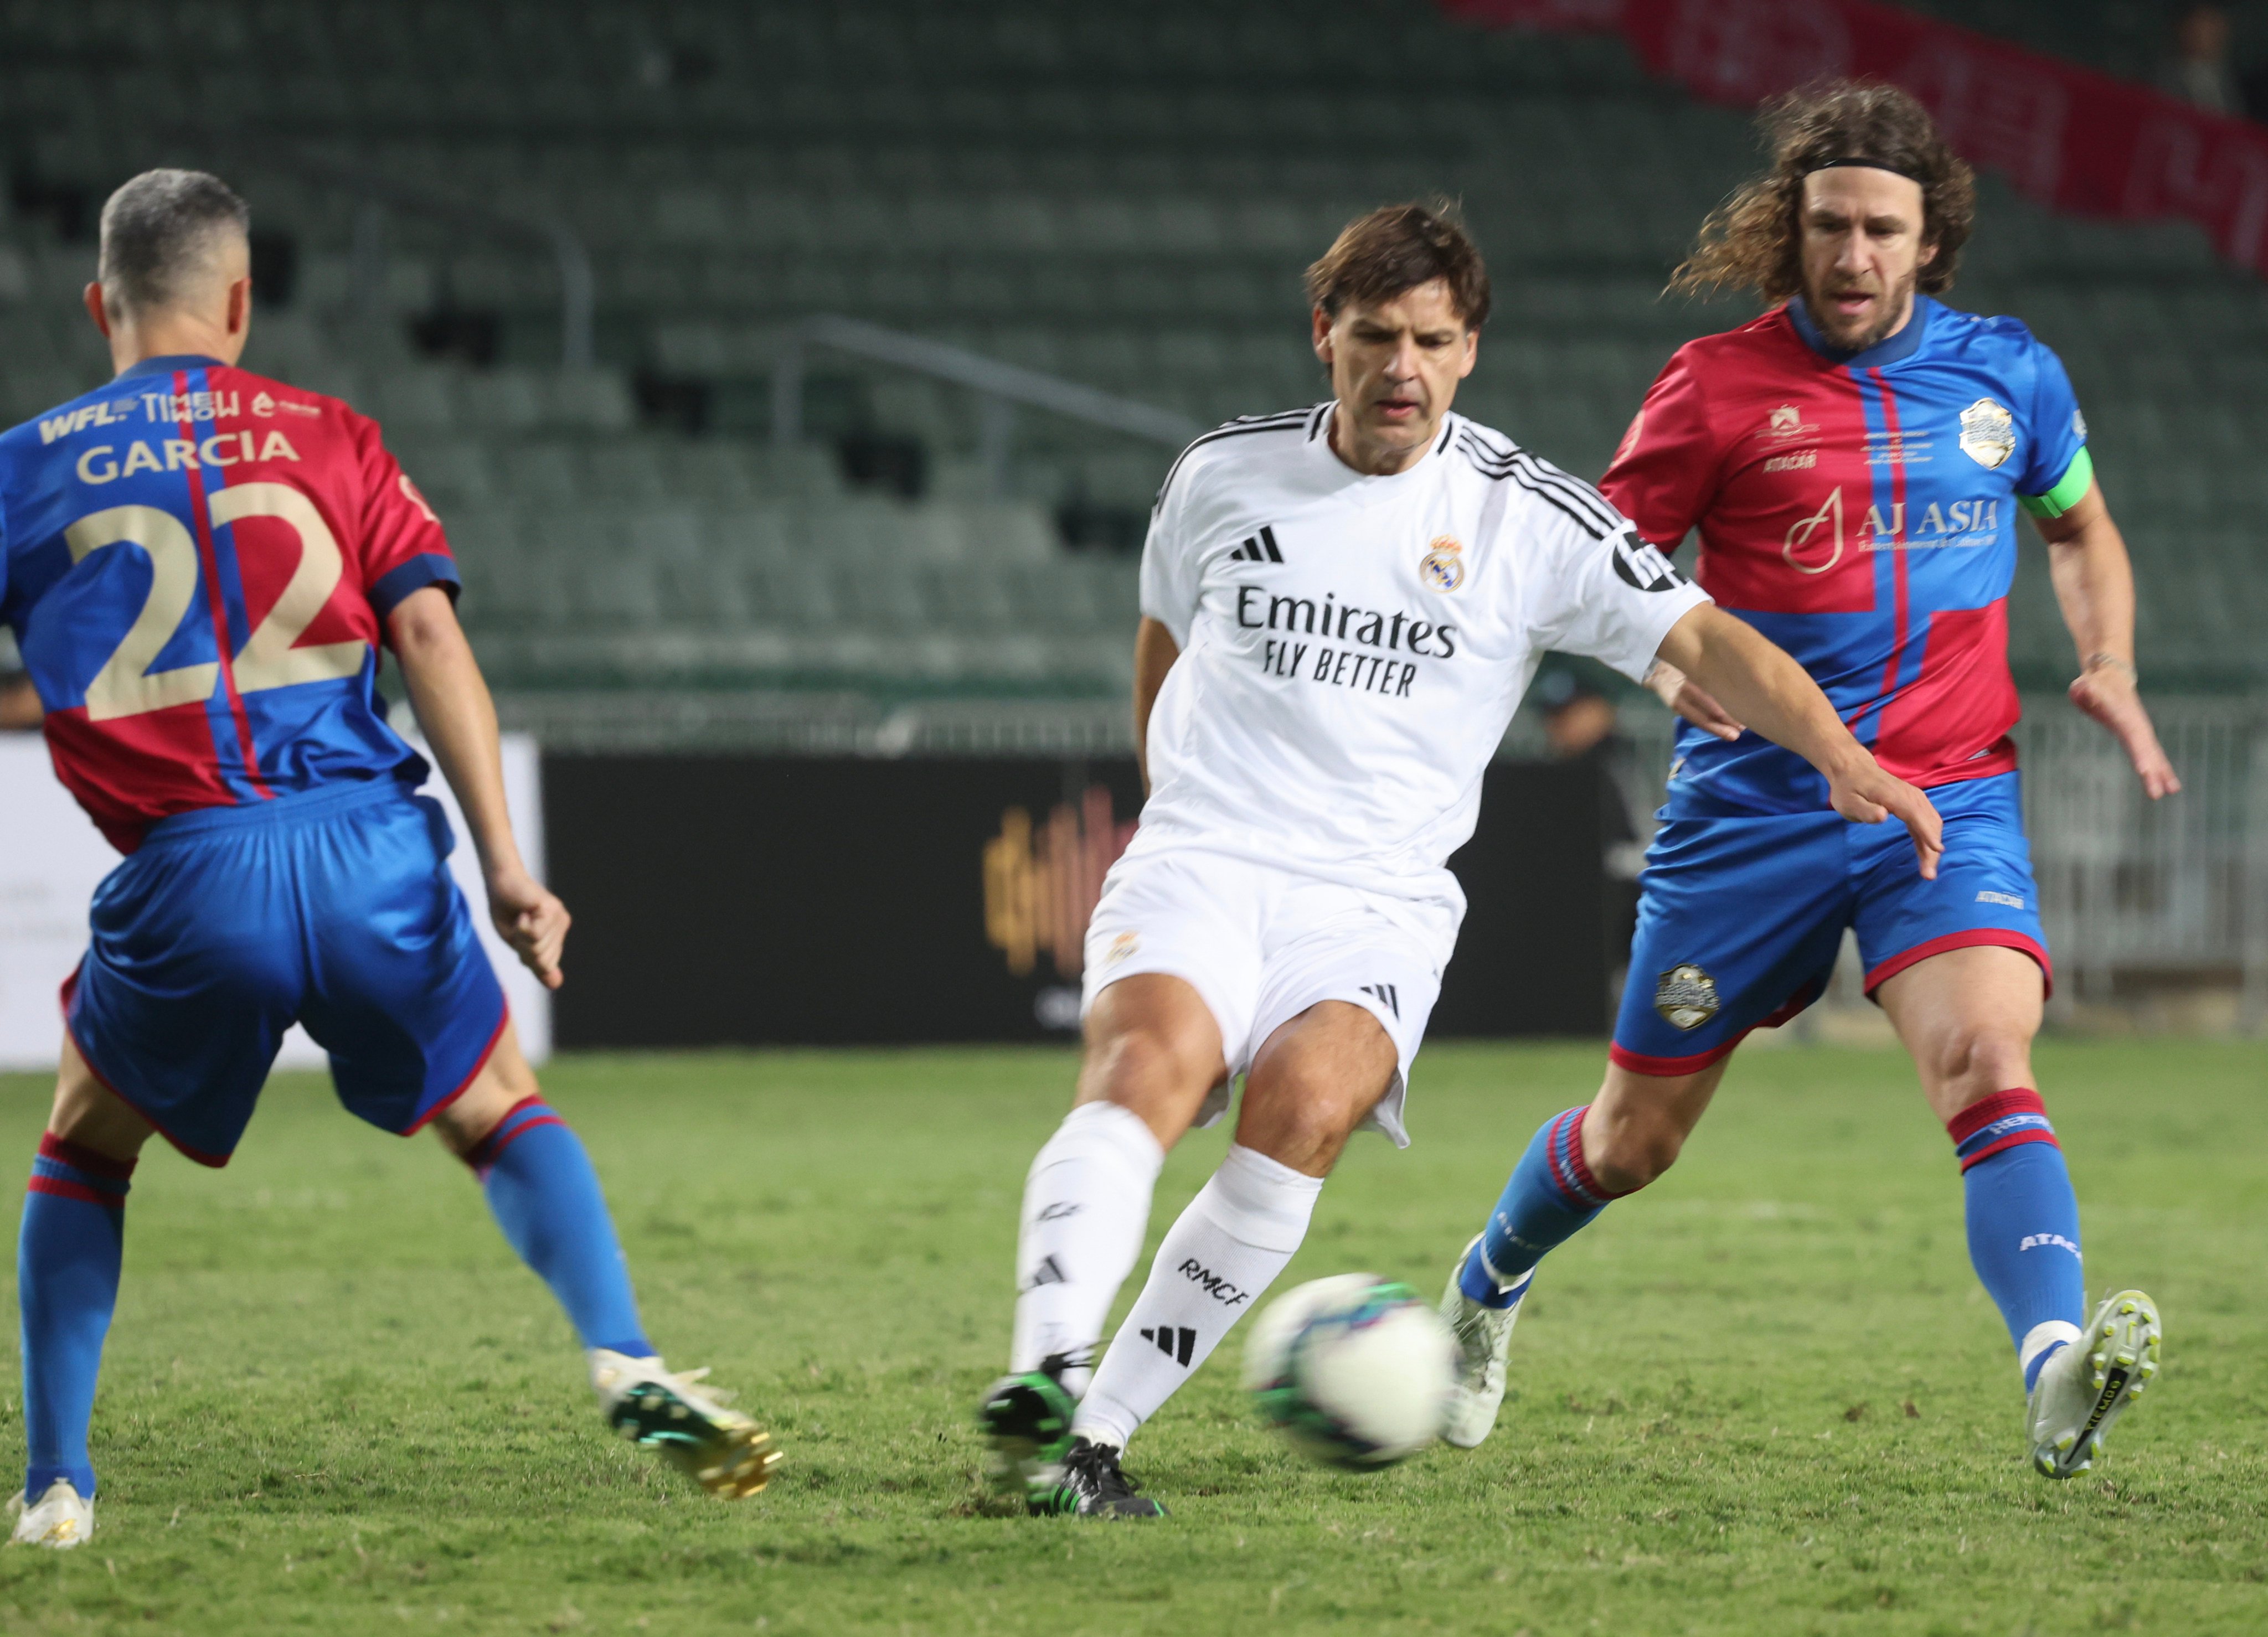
(1227, 1248)
(1087, 1206)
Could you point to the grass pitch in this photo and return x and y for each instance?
(1765, 1397)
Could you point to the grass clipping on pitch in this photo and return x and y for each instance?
(1767, 1396)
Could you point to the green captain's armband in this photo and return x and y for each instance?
(2069, 489)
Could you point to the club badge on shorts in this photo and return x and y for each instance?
(1443, 569)
(1988, 433)
(1686, 997)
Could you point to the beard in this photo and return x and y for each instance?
(1876, 327)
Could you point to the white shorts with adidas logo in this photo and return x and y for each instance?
(1261, 945)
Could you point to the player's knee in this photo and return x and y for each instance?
(1139, 1065)
(1627, 1152)
(89, 1113)
(1302, 1127)
(462, 1125)
(1979, 1057)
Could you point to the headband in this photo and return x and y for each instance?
(1869, 164)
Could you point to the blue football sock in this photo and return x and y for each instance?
(2023, 1221)
(67, 1257)
(546, 1197)
(1550, 1196)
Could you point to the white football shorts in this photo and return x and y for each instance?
(1261, 945)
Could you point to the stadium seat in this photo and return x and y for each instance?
(1124, 196)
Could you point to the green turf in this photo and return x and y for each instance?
(1765, 1398)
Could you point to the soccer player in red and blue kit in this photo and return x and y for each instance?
(1853, 463)
(200, 565)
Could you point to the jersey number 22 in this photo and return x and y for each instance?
(125, 686)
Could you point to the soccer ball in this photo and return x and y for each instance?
(1355, 1369)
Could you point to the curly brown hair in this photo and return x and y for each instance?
(1752, 241)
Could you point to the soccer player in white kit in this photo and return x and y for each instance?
(1341, 606)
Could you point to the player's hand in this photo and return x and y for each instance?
(1864, 794)
(1692, 701)
(530, 918)
(2107, 694)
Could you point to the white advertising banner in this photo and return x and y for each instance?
(52, 858)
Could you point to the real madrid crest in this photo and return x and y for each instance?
(1988, 433)
(1443, 569)
(1686, 997)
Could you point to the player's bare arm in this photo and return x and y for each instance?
(1674, 688)
(1154, 653)
(451, 701)
(1733, 661)
(2094, 586)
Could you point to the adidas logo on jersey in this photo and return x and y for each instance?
(1260, 547)
(1386, 994)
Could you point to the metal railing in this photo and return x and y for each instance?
(999, 389)
(2175, 891)
(579, 284)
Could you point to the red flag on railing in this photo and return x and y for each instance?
(2066, 136)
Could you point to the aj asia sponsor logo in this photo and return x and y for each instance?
(1816, 542)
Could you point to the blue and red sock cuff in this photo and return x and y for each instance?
(2006, 1119)
(72, 1170)
(1570, 1173)
(522, 1116)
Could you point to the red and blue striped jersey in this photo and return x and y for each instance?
(1860, 512)
(197, 563)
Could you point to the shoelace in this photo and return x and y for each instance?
(1098, 1463)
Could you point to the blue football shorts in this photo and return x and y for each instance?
(332, 907)
(1741, 915)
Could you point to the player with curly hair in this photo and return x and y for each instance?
(1853, 462)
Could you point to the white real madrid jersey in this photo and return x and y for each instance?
(1352, 648)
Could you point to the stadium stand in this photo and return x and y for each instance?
(1123, 197)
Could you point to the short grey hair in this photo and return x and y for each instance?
(160, 231)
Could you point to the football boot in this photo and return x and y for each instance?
(1483, 1336)
(1087, 1483)
(2086, 1385)
(685, 1423)
(59, 1520)
(1027, 1420)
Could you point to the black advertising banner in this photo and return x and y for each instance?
(797, 900)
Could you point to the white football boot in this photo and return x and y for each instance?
(1483, 1337)
(59, 1520)
(688, 1426)
(2087, 1384)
